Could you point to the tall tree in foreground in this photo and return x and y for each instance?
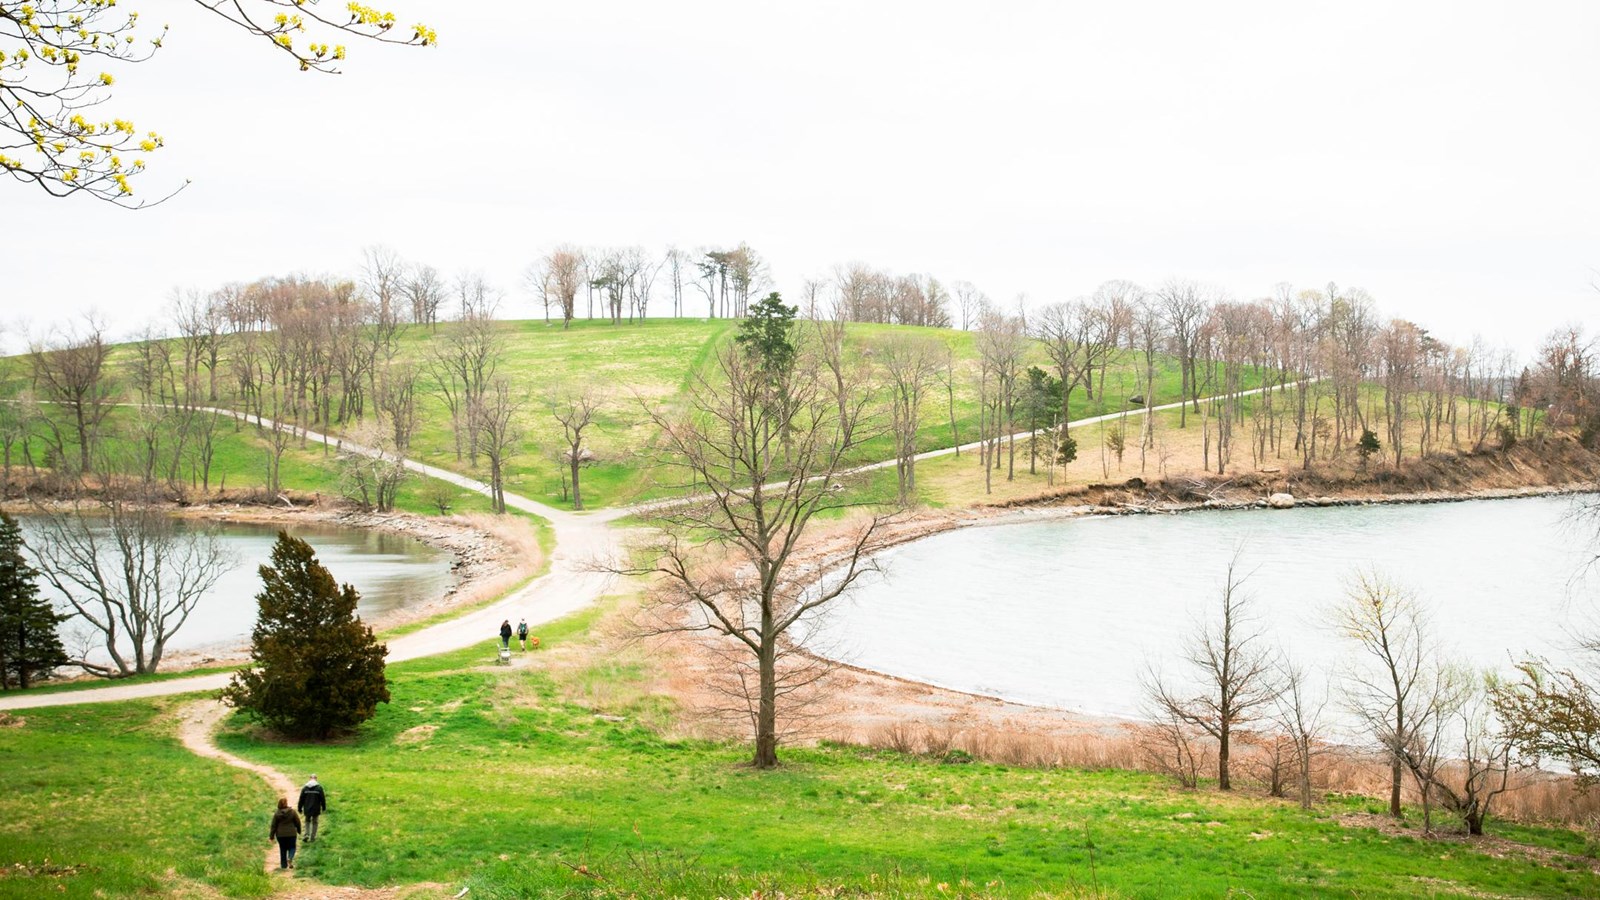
(30, 647)
(316, 667)
(767, 439)
(1234, 672)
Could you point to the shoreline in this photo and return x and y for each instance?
(479, 557)
(889, 692)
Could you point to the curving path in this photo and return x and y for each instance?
(197, 723)
(571, 584)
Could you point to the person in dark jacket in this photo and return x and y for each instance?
(313, 802)
(505, 635)
(285, 829)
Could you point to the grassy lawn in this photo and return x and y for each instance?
(508, 780)
(109, 788)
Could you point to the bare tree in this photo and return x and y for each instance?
(133, 573)
(562, 275)
(676, 264)
(1456, 752)
(767, 445)
(575, 405)
(462, 366)
(478, 298)
(1299, 714)
(1386, 692)
(69, 370)
(497, 420)
(1234, 673)
(968, 301)
(909, 363)
(371, 477)
(424, 290)
(383, 276)
(1183, 307)
(396, 400)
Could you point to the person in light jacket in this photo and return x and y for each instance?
(285, 830)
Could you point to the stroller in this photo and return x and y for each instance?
(504, 658)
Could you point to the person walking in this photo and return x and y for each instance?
(285, 829)
(505, 635)
(522, 632)
(313, 802)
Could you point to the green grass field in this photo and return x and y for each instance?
(506, 781)
(556, 780)
(642, 366)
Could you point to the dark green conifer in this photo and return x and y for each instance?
(317, 668)
(30, 646)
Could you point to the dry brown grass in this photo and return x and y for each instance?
(1534, 796)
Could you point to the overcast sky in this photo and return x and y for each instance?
(1444, 156)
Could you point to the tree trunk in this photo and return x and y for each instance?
(577, 496)
(767, 706)
(1223, 783)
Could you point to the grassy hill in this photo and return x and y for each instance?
(647, 364)
(558, 780)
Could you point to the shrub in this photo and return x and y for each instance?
(317, 668)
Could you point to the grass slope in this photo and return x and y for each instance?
(108, 787)
(509, 780)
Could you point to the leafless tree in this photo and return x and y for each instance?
(461, 366)
(478, 298)
(1002, 344)
(425, 291)
(133, 573)
(1387, 688)
(676, 264)
(497, 419)
(1233, 670)
(562, 276)
(767, 447)
(371, 477)
(396, 400)
(70, 370)
(1458, 755)
(909, 364)
(1183, 307)
(968, 301)
(1299, 713)
(383, 277)
(575, 405)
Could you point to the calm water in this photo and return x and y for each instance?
(1069, 613)
(390, 571)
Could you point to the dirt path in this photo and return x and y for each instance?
(199, 721)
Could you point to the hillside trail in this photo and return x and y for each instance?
(197, 728)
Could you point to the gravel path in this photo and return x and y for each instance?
(571, 584)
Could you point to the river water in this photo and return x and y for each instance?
(1070, 613)
(390, 571)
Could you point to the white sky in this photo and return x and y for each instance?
(1443, 155)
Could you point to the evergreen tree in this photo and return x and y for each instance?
(317, 668)
(30, 647)
(767, 335)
